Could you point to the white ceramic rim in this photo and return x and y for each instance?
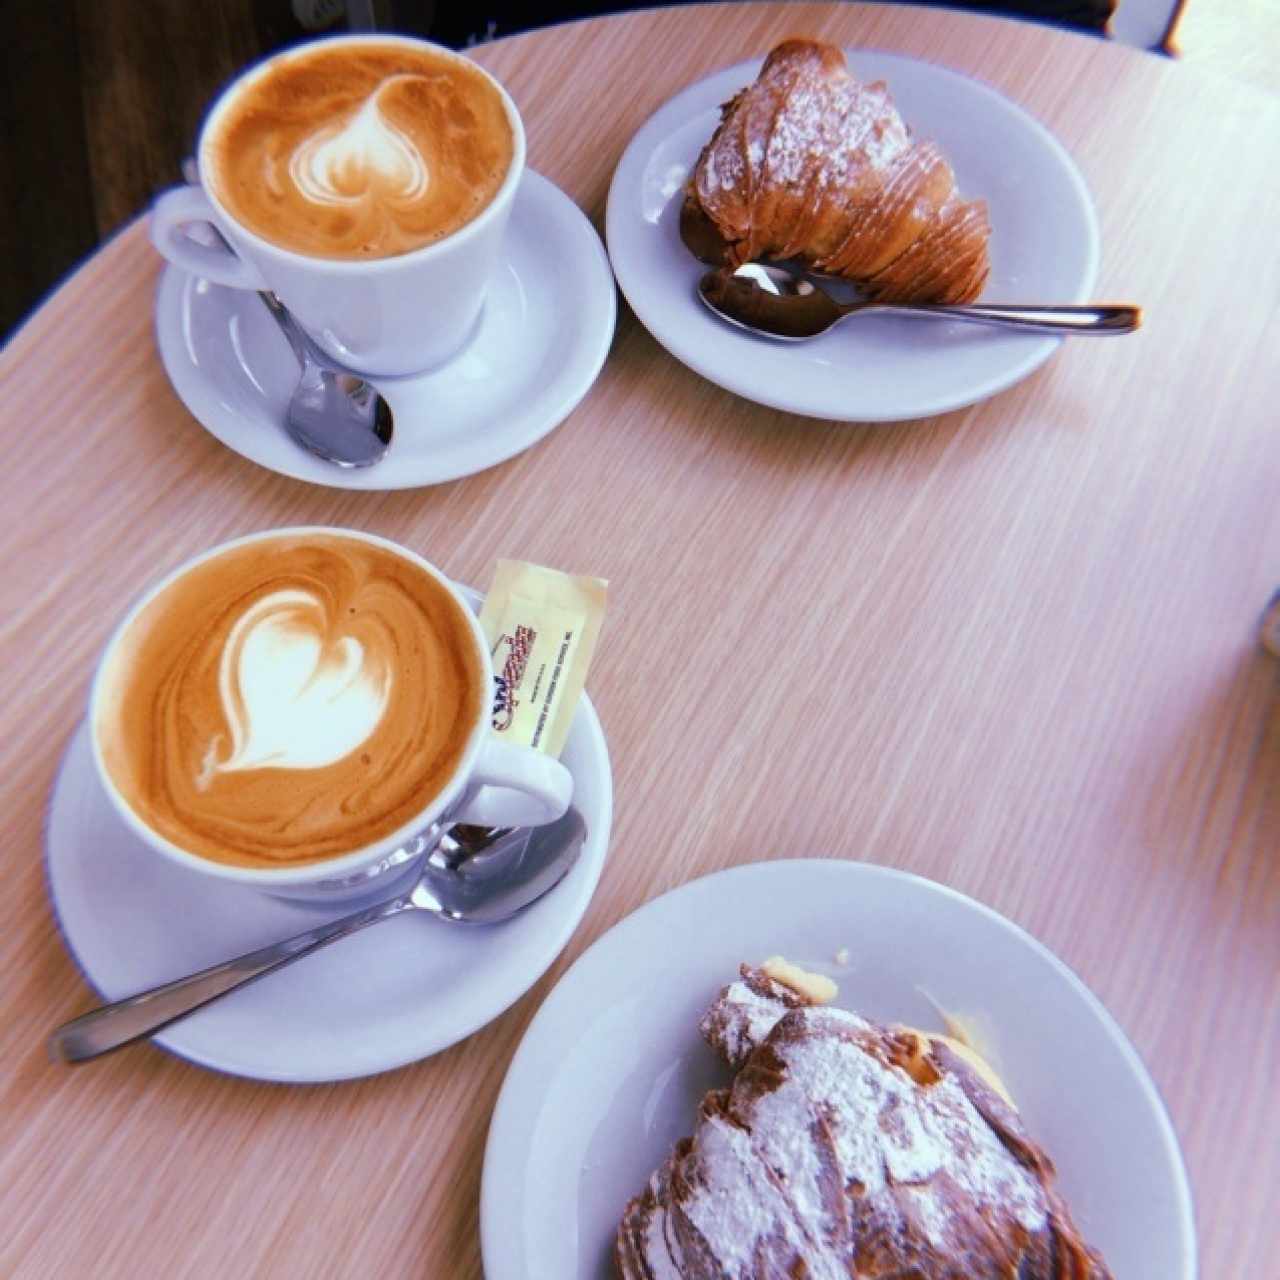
(668, 117)
(575, 892)
(495, 1234)
(361, 266)
(328, 868)
(538, 203)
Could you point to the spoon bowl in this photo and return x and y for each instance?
(775, 301)
(472, 881)
(332, 413)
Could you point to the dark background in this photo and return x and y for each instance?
(100, 100)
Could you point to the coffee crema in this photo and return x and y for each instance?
(289, 700)
(362, 150)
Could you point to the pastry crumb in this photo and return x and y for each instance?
(842, 956)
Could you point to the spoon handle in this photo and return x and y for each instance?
(115, 1025)
(288, 326)
(1081, 320)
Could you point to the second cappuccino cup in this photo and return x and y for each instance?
(302, 710)
(367, 181)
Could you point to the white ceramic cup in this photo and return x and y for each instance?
(379, 316)
(495, 784)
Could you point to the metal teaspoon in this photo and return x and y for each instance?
(334, 414)
(463, 883)
(776, 302)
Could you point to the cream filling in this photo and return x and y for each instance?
(820, 989)
(968, 1054)
(813, 986)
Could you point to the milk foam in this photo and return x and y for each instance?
(361, 151)
(290, 700)
(338, 165)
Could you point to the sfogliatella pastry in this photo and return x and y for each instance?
(811, 164)
(844, 1149)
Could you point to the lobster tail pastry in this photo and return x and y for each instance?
(842, 1149)
(811, 164)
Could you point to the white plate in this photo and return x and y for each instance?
(1044, 248)
(610, 1071)
(385, 997)
(542, 338)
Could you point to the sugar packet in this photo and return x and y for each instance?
(541, 626)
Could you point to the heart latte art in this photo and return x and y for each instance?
(289, 700)
(345, 164)
(360, 151)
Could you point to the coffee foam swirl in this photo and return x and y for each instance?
(360, 151)
(289, 700)
(343, 165)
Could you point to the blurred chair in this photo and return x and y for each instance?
(1146, 24)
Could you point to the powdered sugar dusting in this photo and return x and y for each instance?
(733, 1208)
(918, 1133)
(827, 129)
(821, 1145)
(739, 1021)
(809, 163)
(657, 1252)
(840, 124)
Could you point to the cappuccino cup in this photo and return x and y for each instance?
(365, 180)
(303, 711)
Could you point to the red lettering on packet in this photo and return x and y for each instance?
(507, 681)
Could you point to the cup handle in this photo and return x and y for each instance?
(171, 214)
(515, 787)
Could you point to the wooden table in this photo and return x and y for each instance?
(1043, 608)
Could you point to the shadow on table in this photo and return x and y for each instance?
(720, 420)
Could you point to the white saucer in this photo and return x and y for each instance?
(542, 339)
(380, 999)
(1044, 248)
(611, 1069)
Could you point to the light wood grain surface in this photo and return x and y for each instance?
(1240, 39)
(1011, 648)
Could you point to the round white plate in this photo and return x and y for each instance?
(612, 1067)
(1044, 248)
(542, 338)
(380, 999)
